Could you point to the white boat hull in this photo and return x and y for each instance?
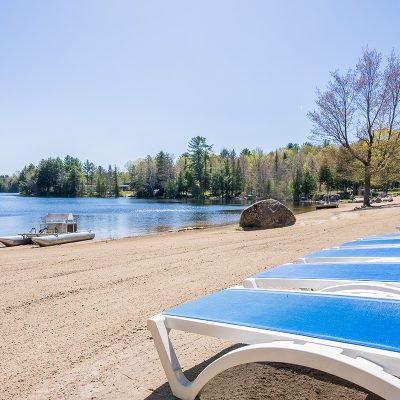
(17, 240)
(52, 240)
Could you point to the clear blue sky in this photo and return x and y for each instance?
(115, 80)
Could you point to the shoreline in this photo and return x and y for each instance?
(135, 218)
(345, 207)
(74, 316)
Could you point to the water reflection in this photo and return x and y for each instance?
(114, 218)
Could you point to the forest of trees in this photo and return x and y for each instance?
(9, 184)
(69, 177)
(290, 172)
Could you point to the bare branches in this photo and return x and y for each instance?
(392, 77)
(360, 111)
(361, 106)
(372, 90)
(334, 118)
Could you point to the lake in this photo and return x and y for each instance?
(119, 217)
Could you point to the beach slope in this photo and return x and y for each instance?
(73, 318)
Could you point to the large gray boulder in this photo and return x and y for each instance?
(266, 214)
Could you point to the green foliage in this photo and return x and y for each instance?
(289, 172)
(73, 181)
(27, 180)
(8, 184)
(308, 185)
(325, 177)
(89, 170)
(164, 165)
(52, 177)
(293, 146)
(49, 177)
(115, 182)
(297, 185)
(199, 152)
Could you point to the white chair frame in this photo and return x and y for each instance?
(368, 246)
(373, 369)
(346, 287)
(315, 260)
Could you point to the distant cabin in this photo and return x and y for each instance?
(124, 188)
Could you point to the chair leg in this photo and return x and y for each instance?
(181, 387)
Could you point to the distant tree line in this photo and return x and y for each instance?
(291, 172)
(69, 177)
(8, 184)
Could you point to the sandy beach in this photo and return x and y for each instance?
(73, 318)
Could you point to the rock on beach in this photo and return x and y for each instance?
(266, 214)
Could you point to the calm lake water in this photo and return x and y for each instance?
(121, 217)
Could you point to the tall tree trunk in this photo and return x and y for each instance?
(367, 185)
(205, 177)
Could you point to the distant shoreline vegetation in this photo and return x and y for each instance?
(292, 172)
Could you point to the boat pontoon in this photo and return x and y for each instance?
(52, 240)
(16, 240)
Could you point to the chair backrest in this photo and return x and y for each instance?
(371, 242)
(378, 272)
(357, 252)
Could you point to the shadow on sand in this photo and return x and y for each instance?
(272, 381)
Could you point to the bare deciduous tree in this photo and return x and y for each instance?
(359, 110)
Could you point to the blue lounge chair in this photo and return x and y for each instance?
(385, 236)
(354, 338)
(372, 279)
(371, 243)
(360, 254)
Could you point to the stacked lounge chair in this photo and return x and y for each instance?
(371, 243)
(386, 236)
(379, 279)
(354, 254)
(336, 310)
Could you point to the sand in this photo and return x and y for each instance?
(73, 317)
